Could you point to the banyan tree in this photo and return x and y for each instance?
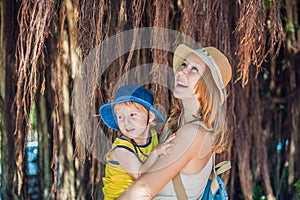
(60, 60)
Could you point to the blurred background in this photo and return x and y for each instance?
(44, 43)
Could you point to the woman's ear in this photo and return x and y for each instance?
(151, 116)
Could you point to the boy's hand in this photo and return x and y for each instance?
(161, 149)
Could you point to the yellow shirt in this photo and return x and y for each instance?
(116, 179)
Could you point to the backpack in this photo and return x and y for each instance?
(215, 188)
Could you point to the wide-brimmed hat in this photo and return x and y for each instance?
(216, 61)
(134, 93)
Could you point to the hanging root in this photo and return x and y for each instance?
(34, 19)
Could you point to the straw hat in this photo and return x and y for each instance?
(214, 59)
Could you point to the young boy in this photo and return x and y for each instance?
(131, 113)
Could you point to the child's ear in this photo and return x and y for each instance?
(151, 116)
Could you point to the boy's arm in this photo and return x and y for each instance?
(128, 161)
(131, 163)
(160, 149)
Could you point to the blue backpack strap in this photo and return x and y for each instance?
(220, 194)
(217, 170)
(167, 135)
(207, 192)
(215, 188)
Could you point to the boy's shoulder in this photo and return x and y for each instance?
(121, 141)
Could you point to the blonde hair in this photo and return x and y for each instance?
(212, 111)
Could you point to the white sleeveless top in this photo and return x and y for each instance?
(194, 185)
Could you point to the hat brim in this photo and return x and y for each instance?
(183, 51)
(107, 111)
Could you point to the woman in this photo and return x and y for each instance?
(199, 120)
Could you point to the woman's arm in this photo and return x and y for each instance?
(187, 142)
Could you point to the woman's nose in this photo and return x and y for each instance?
(183, 71)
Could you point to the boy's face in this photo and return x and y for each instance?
(132, 121)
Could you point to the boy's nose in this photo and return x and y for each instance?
(127, 120)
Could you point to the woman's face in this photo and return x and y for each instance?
(187, 76)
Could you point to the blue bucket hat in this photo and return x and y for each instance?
(134, 93)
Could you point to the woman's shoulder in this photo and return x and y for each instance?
(193, 128)
(201, 140)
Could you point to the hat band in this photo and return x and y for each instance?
(214, 68)
(143, 102)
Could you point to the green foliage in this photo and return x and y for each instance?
(281, 106)
(289, 28)
(297, 186)
(258, 193)
(265, 94)
(33, 117)
(265, 76)
(241, 196)
(269, 1)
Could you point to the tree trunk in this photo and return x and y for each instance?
(44, 154)
(260, 137)
(294, 124)
(9, 33)
(293, 46)
(243, 140)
